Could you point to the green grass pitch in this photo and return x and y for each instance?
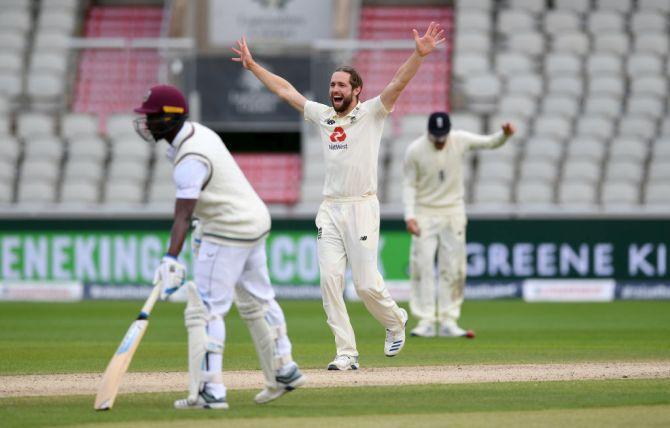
(81, 337)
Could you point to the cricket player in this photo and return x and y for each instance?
(435, 216)
(348, 219)
(231, 261)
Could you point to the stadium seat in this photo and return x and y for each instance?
(605, 21)
(474, 20)
(579, 6)
(605, 105)
(11, 61)
(511, 63)
(39, 170)
(544, 148)
(637, 126)
(560, 104)
(571, 43)
(116, 193)
(533, 170)
(581, 170)
(472, 42)
(621, 6)
(528, 43)
(492, 192)
(6, 191)
(83, 170)
(482, 91)
(495, 170)
(518, 105)
(647, 21)
(131, 147)
(88, 147)
(34, 125)
(10, 83)
(606, 85)
(626, 148)
(617, 194)
(534, 192)
(49, 62)
(599, 64)
(162, 192)
(561, 22)
(640, 64)
(661, 151)
(478, 5)
(467, 122)
(467, 63)
(577, 194)
(596, 126)
(525, 84)
(661, 6)
(56, 19)
(658, 194)
(659, 171)
(562, 64)
(655, 86)
(652, 43)
(52, 40)
(80, 192)
(613, 43)
(130, 172)
(624, 171)
(587, 148)
(36, 192)
(43, 147)
(120, 124)
(649, 106)
(69, 5)
(16, 20)
(552, 126)
(566, 86)
(76, 125)
(44, 86)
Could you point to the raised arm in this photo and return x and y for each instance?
(424, 45)
(474, 141)
(278, 85)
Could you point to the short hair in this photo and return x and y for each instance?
(355, 79)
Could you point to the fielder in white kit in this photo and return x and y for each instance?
(231, 261)
(348, 219)
(433, 196)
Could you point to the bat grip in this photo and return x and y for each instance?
(150, 302)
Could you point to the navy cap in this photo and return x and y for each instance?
(439, 124)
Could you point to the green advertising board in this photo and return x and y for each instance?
(127, 251)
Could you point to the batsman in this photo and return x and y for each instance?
(230, 262)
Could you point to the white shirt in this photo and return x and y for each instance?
(433, 179)
(350, 146)
(189, 175)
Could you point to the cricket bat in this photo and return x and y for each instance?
(118, 365)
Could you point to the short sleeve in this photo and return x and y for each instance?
(313, 111)
(189, 176)
(377, 107)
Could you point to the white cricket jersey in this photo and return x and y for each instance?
(350, 146)
(433, 179)
(230, 210)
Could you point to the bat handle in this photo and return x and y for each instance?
(151, 301)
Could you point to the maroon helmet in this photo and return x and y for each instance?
(165, 109)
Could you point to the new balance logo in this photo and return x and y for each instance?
(364, 238)
(318, 233)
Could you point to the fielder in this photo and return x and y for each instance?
(348, 219)
(231, 261)
(435, 216)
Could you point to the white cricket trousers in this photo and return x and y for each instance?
(348, 231)
(221, 268)
(444, 236)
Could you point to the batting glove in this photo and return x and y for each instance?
(171, 273)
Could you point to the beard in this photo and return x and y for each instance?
(346, 102)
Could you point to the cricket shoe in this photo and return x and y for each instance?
(205, 401)
(344, 362)
(451, 329)
(286, 383)
(424, 329)
(395, 340)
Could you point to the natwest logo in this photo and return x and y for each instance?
(338, 135)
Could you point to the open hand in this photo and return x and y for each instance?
(508, 129)
(433, 37)
(243, 52)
